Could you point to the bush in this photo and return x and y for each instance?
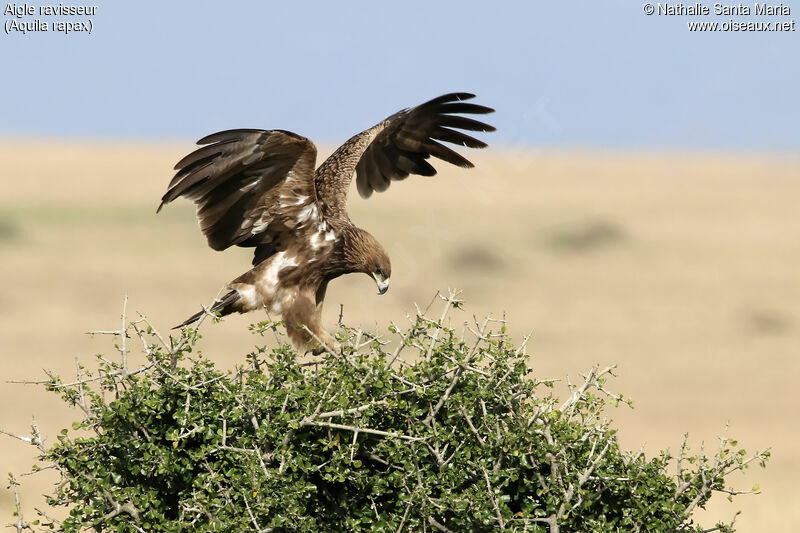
(436, 432)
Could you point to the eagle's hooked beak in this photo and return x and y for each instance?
(383, 284)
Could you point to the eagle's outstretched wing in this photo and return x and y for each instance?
(399, 146)
(251, 187)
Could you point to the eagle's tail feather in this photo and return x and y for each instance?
(224, 306)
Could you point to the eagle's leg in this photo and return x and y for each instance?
(304, 326)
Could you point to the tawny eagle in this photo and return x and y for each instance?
(258, 188)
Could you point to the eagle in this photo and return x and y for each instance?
(259, 189)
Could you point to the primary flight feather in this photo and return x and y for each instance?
(258, 188)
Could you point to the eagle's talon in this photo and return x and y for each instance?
(319, 349)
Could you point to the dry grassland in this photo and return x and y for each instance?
(680, 268)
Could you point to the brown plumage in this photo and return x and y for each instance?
(258, 188)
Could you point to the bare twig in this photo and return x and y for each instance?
(57, 385)
(124, 338)
(438, 525)
(352, 410)
(450, 301)
(21, 524)
(362, 430)
(27, 440)
(471, 425)
(405, 516)
(489, 488)
(551, 521)
(590, 380)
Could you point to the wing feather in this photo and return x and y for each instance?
(446, 154)
(378, 180)
(399, 146)
(450, 97)
(249, 187)
(456, 137)
(228, 135)
(464, 107)
(464, 123)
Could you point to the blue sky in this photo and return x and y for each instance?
(560, 74)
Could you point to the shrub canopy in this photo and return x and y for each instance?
(437, 431)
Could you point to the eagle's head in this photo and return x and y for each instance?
(381, 271)
(364, 253)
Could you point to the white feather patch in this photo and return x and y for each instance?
(291, 199)
(319, 238)
(248, 296)
(247, 186)
(278, 262)
(261, 224)
(282, 299)
(307, 212)
(277, 304)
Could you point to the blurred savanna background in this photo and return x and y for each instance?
(637, 205)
